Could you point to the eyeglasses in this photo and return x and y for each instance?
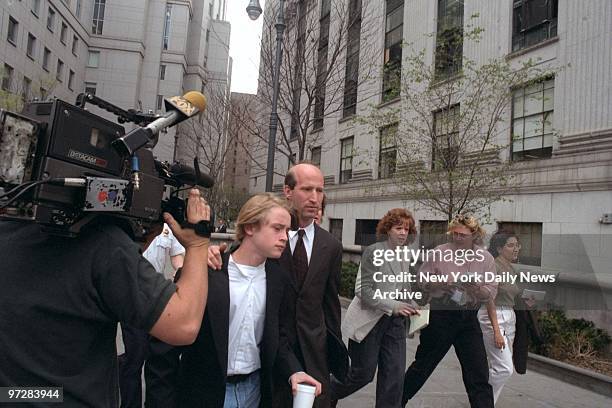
(514, 245)
(460, 235)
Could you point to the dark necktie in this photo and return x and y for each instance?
(300, 259)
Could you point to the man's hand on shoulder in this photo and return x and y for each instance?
(214, 255)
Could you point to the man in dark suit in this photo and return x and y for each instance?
(231, 362)
(310, 320)
(310, 323)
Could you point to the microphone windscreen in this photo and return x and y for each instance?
(197, 99)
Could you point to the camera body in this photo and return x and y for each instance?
(58, 162)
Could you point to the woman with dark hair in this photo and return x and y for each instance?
(376, 323)
(497, 317)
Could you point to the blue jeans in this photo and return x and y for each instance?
(244, 394)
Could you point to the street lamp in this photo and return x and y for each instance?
(254, 11)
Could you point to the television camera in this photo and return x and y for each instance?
(62, 166)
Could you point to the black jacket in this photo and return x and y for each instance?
(310, 324)
(199, 379)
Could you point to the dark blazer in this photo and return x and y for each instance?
(310, 323)
(202, 371)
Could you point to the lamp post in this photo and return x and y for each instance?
(254, 11)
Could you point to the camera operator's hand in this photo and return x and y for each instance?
(197, 210)
(180, 321)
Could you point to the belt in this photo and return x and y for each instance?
(234, 379)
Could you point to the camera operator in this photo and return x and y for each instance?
(61, 299)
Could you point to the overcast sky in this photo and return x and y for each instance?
(244, 46)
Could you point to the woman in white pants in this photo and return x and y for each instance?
(496, 317)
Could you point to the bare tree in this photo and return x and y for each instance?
(206, 137)
(327, 53)
(444, 146)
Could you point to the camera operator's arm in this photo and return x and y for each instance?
(180, 321)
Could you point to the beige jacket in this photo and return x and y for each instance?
(365, 310)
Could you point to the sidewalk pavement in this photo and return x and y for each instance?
(445, 389)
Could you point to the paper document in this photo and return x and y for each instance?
(538, 295)
(418, 322)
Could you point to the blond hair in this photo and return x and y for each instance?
(254, 211)
(471, 223)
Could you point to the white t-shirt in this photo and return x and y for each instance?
(247, 287)
(164, 246)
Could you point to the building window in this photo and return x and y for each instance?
(51, 19)
(365, 232)
(160, 102)
(445, 146)
(78, 8)
(35, 7)
(351, 73)
(75, 45)
(31, 50)
(46, 59)
(335, 228)
(166, 34)
(449, 38)
(93, 60)
(162, 72)
(346, 159)
(315, 156)
(60, 70)
(13, 29)
(321, 79)
(26, 87)
(529, 235)
(63, 33)
(98, 17)
(432, 233)
(7, 78)
(394, 32)
(71, 80)
(532, 118)
(387, 153)
(533, 21)
(90, 87)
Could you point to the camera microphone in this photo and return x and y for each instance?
(178, 108)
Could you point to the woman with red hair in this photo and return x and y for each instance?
(376, 322)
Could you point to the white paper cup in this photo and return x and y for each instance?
(305, 396)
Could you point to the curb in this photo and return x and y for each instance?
(590, 380)
(583, 378)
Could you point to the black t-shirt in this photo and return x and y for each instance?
(60, 301)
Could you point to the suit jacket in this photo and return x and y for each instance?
(310, 322)
(202, 372)
(365, 309)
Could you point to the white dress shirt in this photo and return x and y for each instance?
(163, 246)
(308, 239)
(247, 287)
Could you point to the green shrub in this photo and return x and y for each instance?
(347, 279)
(569, 339)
